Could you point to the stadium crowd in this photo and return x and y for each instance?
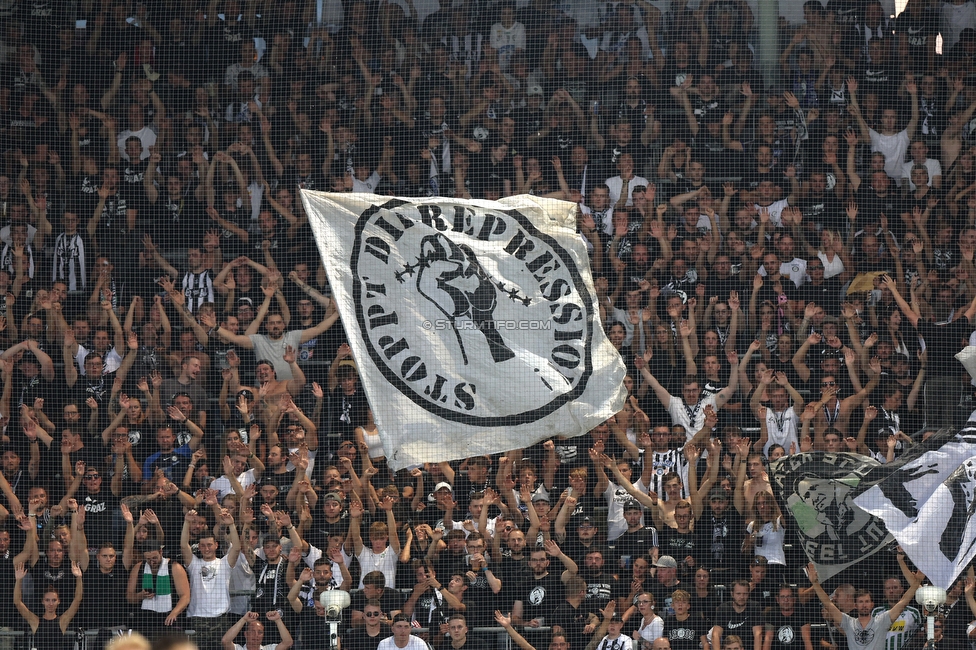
(187, 446)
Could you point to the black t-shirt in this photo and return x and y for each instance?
(672, 75)
(8, 614)
(602, 588)
(635, 544)
(99, 513)
(347, 412)
(573, 619)
(917, 29)
(738, 623)
(391, 600)
(686, 634)
(786, 629)
(104, 603)
(827, 295)
(720, 539)
(662, 596)
(540, 598)
(678, 545)
(358, 639)
(942, 342)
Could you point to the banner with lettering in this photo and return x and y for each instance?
(474, 324)
(817, 489)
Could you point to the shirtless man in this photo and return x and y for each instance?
(272, 395)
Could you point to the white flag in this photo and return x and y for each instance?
(474, 324)
(927, 500)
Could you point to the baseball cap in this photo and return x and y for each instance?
(333, 496)
(718, 493)
(442, 485)
(666, 562)
(534, 89)
(586, 521)
(632, 505)
(541, 496)
(245, 301)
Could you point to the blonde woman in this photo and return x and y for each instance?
(766, 534)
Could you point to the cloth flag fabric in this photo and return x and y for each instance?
(926, 499)
(817, 489)
(474, 324)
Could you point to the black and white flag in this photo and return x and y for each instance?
(474, 324)
(817, 488)
(926, 499)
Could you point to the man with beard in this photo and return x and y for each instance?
(277, 472)
(719, 533)
(786, 627)
(276, 342)
(737, 616)
(601, 587)
(172, 460)
(539, 596)
(868, 630)
(96, 383)
(153, 583)
(189, 382)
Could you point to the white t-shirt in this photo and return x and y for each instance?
(616, 185)
(781, 428)
(769, 542)
(616, 497)
(413, 643)
(956, 18)
(776, 211)
(692, 418)
(384, 562)
(795, 270)
(273, 351)
(367, 186)
(871, 637)
(831, 268)
(222, 484)
(506, 41)
(894, 147)
(653, 630)
(146, 135)
(209, 587)
(111, 360)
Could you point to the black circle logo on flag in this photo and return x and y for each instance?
(474, 314)
(818, 489)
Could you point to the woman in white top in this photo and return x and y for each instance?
(651, 626)
(830, 252)
(767, 535)
(368, 440)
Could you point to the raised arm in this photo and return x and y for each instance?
(833, 612)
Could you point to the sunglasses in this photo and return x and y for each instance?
(371, 614)
(92, 476)
(828, 383)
